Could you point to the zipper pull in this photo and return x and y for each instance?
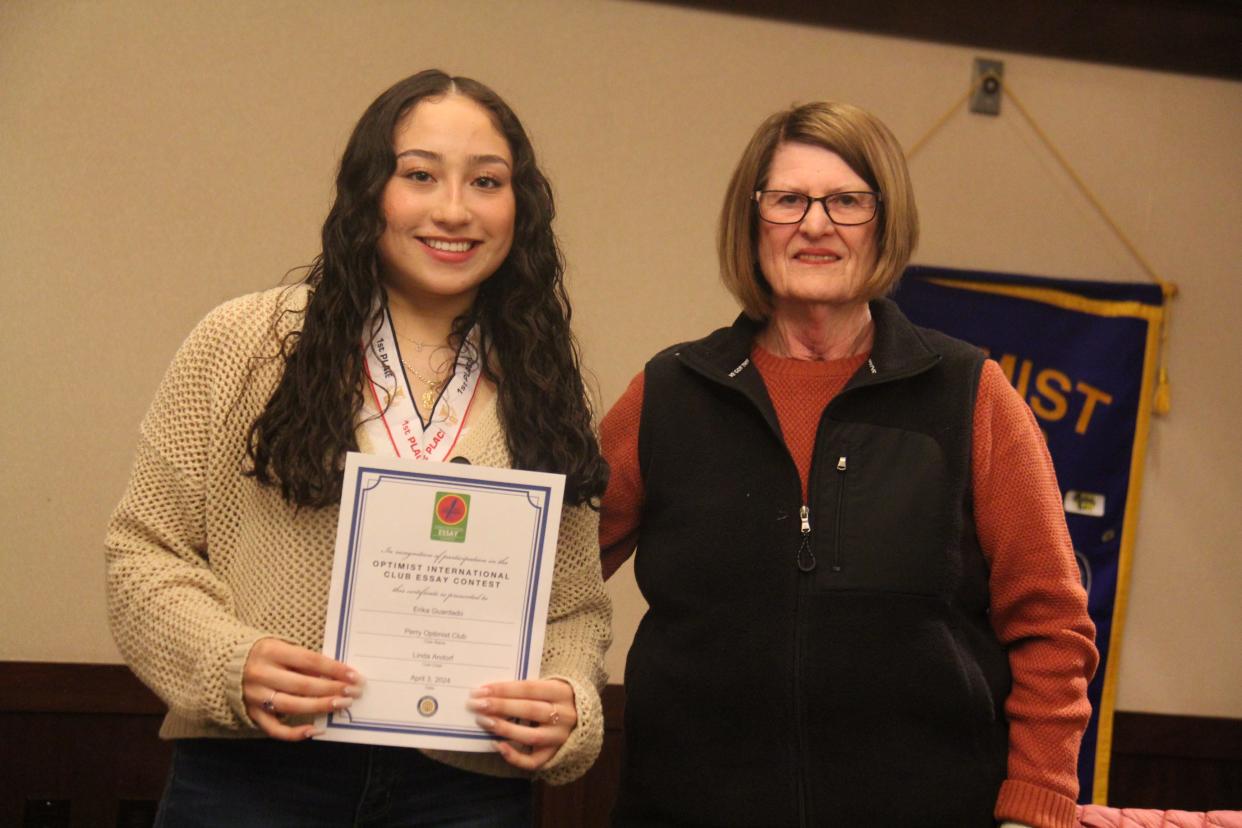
(806, 558)
(836, 549)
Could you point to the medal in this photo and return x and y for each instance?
(389, 416)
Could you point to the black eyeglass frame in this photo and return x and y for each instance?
(879, 200)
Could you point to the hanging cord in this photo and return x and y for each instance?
(1162, 401)
(948, 113)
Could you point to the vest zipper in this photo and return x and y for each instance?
(806, 556)
(836, 544)
(806, 564)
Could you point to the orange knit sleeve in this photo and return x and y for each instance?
(622, 504)
(1038, 609)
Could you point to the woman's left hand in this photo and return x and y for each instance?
(535, 717)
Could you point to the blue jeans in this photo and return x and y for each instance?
(248, 783)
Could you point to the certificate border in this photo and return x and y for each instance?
(374, 476)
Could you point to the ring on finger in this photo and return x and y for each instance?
(555, 718)
(269, 706)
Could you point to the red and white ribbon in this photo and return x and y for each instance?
(390, 421)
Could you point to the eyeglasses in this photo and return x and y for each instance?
(845, 209)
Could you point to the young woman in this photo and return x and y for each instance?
(438, 251)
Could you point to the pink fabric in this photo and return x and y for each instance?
(1097, 816)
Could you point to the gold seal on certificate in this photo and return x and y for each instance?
(440, 584)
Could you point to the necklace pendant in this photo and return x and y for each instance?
(429, 398)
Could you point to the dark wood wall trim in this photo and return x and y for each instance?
(1198, 37)
(55, 687)
(1191, 737)
(87, 733)
(1192, 763)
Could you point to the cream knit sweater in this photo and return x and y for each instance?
(203, 561)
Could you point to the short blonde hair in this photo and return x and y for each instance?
(867, 146)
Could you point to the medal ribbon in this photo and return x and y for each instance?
(390, 417)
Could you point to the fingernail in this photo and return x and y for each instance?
(353, 691)
(477, 704)
(311, 734)
(342, 703)
(484, 722)
(353, 678)
(481, 691)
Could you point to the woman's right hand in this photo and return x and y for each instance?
(281, 679)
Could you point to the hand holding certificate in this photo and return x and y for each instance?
(440, 584)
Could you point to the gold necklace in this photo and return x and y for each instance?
(428, 398)
(420, 346)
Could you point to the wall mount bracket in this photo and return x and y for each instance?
(986, 81)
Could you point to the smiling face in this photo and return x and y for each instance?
(815, 261)
(449, 206)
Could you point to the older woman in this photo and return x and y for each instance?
(864, 606)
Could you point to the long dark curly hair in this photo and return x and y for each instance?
(299, 440)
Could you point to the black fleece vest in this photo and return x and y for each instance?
(837, 670)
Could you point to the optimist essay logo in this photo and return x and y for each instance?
(450, 518)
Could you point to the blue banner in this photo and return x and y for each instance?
(1083, 355)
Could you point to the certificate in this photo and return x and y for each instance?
(440, 584)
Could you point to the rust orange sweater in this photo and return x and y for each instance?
(1038, 608)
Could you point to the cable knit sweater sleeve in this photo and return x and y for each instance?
(1039, 608)
(621, 510)
(579, 632)
(173, 616)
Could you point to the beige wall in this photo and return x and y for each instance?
(157, 158)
